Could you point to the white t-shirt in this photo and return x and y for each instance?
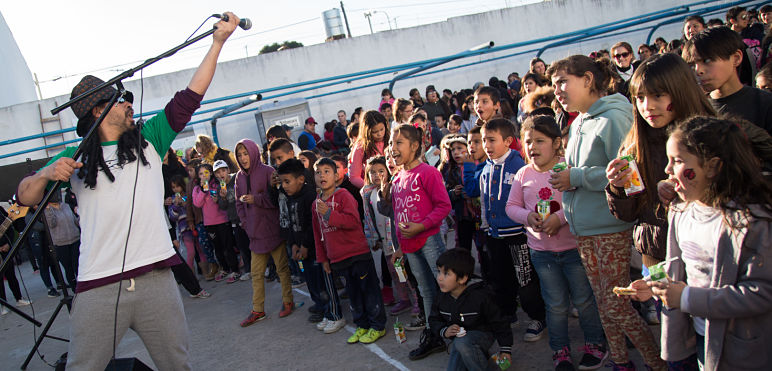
(697, 233)
(105, 210)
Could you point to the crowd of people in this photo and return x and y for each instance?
(536, 175)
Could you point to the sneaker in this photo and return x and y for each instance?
(321, 325)
(534, 332)
(246, 277)
(52, 293)
(203, 294)
(388, 296)
(561, 359)
(650, 315)
(334, 326)
(252, 318)
(372, 336)
(401, 307)
(219, 276)
(297, 282)
(353, 339)
(287, 309)
(315, 317)
(594, 355)
(315, 309)
(22, 303)
(574, 312)
(429, 344)
(629, 366)
(233, 277)
(418, 323)
(3, 311)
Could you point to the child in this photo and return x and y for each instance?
(227, 202)
(510, 266)
(205, 196)
(664, 92)
(308, 158)
(582, 85)
(342, 247)
(467, 314)
(371, 142)
(209, 266)
(715, 54)
(487, 105)
(454, 124)
(553, 249)
(419, 204)
(259, 218)
(403, 109)
(343, 181)
(464, 212)
(441, 123)
(280, 151)
(178, 214)
(378, 230)
(718, 241)
(295, 200)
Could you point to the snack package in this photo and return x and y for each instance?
(461, 332)
(624, 291)
(503, 363)
(400, 270)
(635, 185)
(560, 166)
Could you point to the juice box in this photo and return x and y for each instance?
(400, 270)
(635, 185)
(560, 166)
(543, 208)
(657, 272)
(399, 332)
(503, 363)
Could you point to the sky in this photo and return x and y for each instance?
(64, 40)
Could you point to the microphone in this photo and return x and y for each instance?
(245, 23)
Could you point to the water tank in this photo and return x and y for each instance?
(333, 23)
(18, 86)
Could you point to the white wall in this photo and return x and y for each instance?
(16, 78)
(374, 51)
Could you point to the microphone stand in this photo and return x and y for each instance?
(66, 297)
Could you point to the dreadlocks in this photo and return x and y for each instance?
(93, 159)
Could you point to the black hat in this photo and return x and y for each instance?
(82, 109)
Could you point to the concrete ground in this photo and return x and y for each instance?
(292, 343)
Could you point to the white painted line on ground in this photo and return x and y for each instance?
(371, 347)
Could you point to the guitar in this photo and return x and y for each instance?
(14, 212)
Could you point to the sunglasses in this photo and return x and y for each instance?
(621, 55)
(744, 16)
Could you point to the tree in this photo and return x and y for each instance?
(276, 46)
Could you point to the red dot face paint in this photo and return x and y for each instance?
(689, 174)
(669, 107)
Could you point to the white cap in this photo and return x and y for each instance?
(219, 164)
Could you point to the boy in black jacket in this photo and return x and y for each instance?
(467, 314)
(294, 199)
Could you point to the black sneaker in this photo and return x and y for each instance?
(418, 323)
(315, 317)
(52, 293)
(429, 344)
(594, 355)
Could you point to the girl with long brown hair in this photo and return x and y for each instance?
(371, 142)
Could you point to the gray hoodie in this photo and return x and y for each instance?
(594, 141)
(63, 225)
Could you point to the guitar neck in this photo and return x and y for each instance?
(4, 227)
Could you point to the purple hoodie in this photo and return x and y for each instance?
(261, 219)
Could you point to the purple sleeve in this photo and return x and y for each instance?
(181, 107)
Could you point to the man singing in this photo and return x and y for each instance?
(104, 182)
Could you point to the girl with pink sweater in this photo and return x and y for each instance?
(534, 203)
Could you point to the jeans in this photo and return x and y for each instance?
(561, 275)
(44, 262)
(364, 292)
(68, 256)
(205, 243)
(701, 351)
(470, 352)
(423, 264)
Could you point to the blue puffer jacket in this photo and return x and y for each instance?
(495, 182)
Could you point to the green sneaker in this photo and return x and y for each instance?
(371, 336)
(359, 333)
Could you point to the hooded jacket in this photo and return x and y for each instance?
(495, 183)
(260, 219)
(295, 215)
(339, 234)
(593, 142)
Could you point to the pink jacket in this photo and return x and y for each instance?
(528, 187)
(208, 204)
(356, 167)
(419, 196)
(261, 219)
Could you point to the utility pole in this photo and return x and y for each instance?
(345, 19)
(368, 15)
